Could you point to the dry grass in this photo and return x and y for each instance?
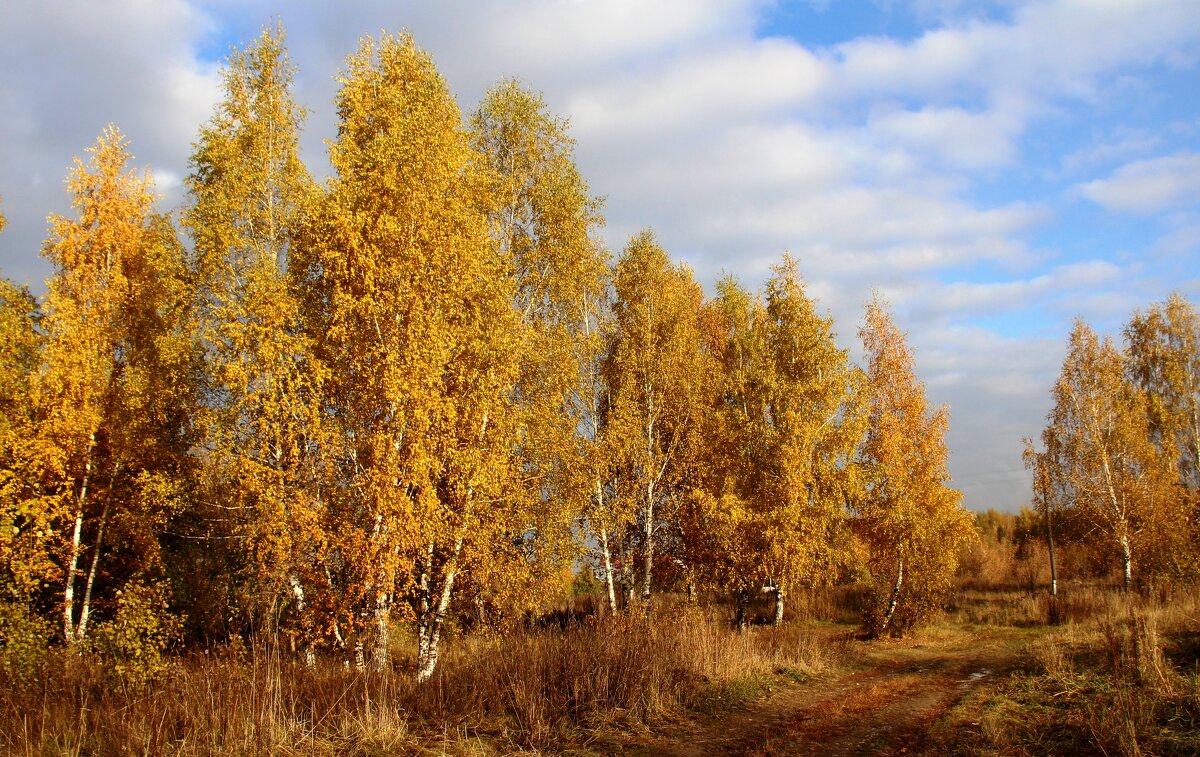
(1120, 675)
(530, 689)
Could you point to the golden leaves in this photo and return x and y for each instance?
(1121, 437)
(909, 515)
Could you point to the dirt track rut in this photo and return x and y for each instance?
(884, 705)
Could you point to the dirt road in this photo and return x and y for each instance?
(883, 702)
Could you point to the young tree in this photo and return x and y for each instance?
(543, 220)
(655, 373)
(115, 391)
(1107, 463)
(911, 519)
(412, 301)
(26, 546)
(262, 420)
(601, 514)
(1164, 362)
(814, 426)
(1045, 494)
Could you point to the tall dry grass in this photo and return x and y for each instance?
(1119, 675)
(527, 689)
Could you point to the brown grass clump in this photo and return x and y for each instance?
(1120, 676)
(528, 689)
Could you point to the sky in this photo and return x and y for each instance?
(995, 169)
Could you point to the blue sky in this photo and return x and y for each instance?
(994, 168)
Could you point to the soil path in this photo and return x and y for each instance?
(882, 703)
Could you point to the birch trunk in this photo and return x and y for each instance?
(86, 611)
(608, 571)
(609, 579)
(429, 636)
(779, 605)
(1127, 561)
(648, 536)
(76, 540)
(1053, 561)
(310, 656)
(743, 607)
(891, 610)
(382, 655)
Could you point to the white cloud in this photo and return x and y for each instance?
(67, 70)
(975, 298)
(960, 138)
(865, 159)
(1147, 187)
(711, 87)
(1049, 48)
(1123, 144)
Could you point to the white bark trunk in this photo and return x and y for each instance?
(310, 655)
(891, 610)
(383, 654)
(609, 580)
(76, 539)
(86, 610)
(1053, 561)
(1127, 561)
(430, 632)
(648, 546)
(779, 596)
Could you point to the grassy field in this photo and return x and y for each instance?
(1118, 676)
(1115, 676)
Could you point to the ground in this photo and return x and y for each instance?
(887, 700)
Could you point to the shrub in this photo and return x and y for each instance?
(23, 641)
(133, 641)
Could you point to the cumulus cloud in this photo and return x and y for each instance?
(68, 70)
(879, 162)
(713, 87)
(1150, 186)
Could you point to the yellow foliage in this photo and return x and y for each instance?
(770, 485)
(913, 522)
(655, 373)
(412, 300)
(263, 428)
(113, 397)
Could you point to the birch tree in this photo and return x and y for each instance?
(544, 222)
(1163, 361)
(1107, 465)
(655, 372)
(1046, 496)
(412, 301)
(814, 425)
(263, 423)
(779, 443)
(115, 390)
(721, 518)
(26, 529)
(909, 516)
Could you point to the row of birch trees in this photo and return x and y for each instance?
(420, 388)
(1121, 448)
